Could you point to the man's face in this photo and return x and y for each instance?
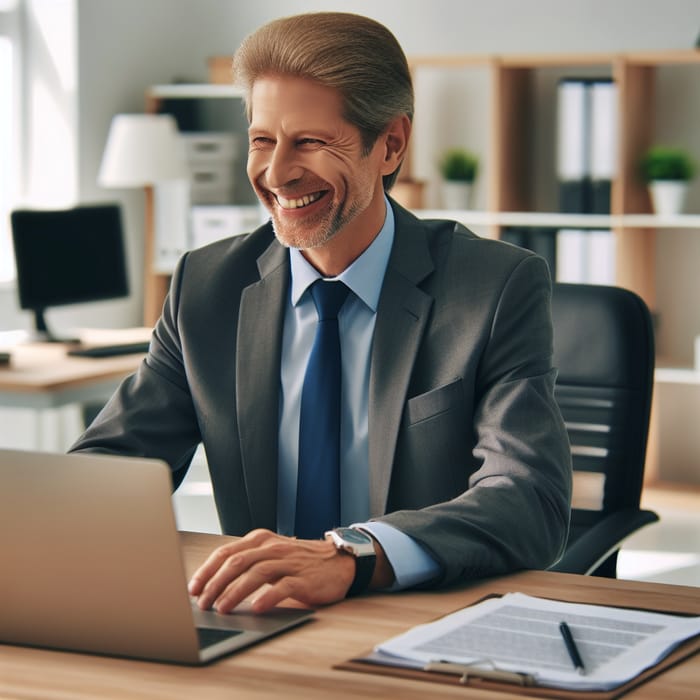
(306, 163)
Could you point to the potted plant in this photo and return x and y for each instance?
(667, 172)
(458, 168)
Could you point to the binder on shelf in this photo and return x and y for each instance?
(603, 143)
(572, 256)
(586, 144)
(543, 242)
(601, 260)
(572, 145)
(515, 235)
(540, 240)
(585, 256)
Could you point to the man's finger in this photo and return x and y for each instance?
(248, 582)
(208, 569)
(275, 567)
(237, 564)
(245, 572)
(216, 559)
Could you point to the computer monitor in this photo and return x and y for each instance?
(68, 256)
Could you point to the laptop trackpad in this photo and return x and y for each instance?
(207, 637)
(245, 620)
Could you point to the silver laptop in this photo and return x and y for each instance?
(90, 561)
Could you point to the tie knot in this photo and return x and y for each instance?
(328, 297)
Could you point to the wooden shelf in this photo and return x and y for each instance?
(558, 220)
(510, 112)
(555, 60)
(677, 375)
(194, 91)
(514, 175)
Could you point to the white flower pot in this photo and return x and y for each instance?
(456, 195)
(668, 196)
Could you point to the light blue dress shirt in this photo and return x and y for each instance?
(411, 563)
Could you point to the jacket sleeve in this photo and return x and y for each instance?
(151, 414)
(515, 512)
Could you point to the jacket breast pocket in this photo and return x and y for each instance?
(434, 402)
(433, 458)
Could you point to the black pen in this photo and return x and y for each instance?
(571, 648)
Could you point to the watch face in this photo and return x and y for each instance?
(353, 536)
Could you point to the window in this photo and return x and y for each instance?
(9, 132)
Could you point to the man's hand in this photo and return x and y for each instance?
(310, 571)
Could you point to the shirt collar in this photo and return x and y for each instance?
(364, 276)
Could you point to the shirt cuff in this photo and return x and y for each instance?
(412, 565)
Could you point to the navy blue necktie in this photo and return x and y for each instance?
(318, 481)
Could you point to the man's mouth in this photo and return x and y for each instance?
(298, 202)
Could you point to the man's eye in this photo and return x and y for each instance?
(310, 142)
(261, 141)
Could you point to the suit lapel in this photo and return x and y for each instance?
(402, 314)
(258, 378)
(401, 318)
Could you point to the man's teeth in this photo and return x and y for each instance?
(297, 203)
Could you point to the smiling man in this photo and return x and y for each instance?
(311, 169)
(374, 392)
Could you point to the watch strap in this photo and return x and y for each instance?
(364, 568)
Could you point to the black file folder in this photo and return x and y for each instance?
(602, 143)
(540, 240)
(573, 172)
(586, 144)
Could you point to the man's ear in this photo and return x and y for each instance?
(395, 142)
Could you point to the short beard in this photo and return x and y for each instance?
(326, 231)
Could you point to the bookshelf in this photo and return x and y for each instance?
(502, 108)
(504, 105)
(518, 179)
(216, 107)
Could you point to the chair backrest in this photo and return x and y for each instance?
(604, 351)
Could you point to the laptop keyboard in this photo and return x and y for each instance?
(209, 636)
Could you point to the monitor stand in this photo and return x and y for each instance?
(42, 334)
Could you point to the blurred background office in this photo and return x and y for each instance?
(67, 67)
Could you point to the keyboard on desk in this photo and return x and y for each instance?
(110, 350)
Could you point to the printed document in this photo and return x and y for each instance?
(520, 633)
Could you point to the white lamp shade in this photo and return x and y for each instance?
(142, 149)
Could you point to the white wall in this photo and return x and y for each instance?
(123, 47)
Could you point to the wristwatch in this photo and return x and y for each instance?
(359, 545)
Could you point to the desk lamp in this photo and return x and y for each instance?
(143, 150)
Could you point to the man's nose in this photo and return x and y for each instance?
(284, 166)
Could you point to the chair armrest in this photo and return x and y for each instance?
(600, 541)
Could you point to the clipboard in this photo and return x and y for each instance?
(514, 683)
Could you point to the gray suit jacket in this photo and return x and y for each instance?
(467, 450)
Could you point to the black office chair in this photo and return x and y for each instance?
(604, 350)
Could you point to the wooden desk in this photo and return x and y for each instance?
(41, 376)
(298, 664)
